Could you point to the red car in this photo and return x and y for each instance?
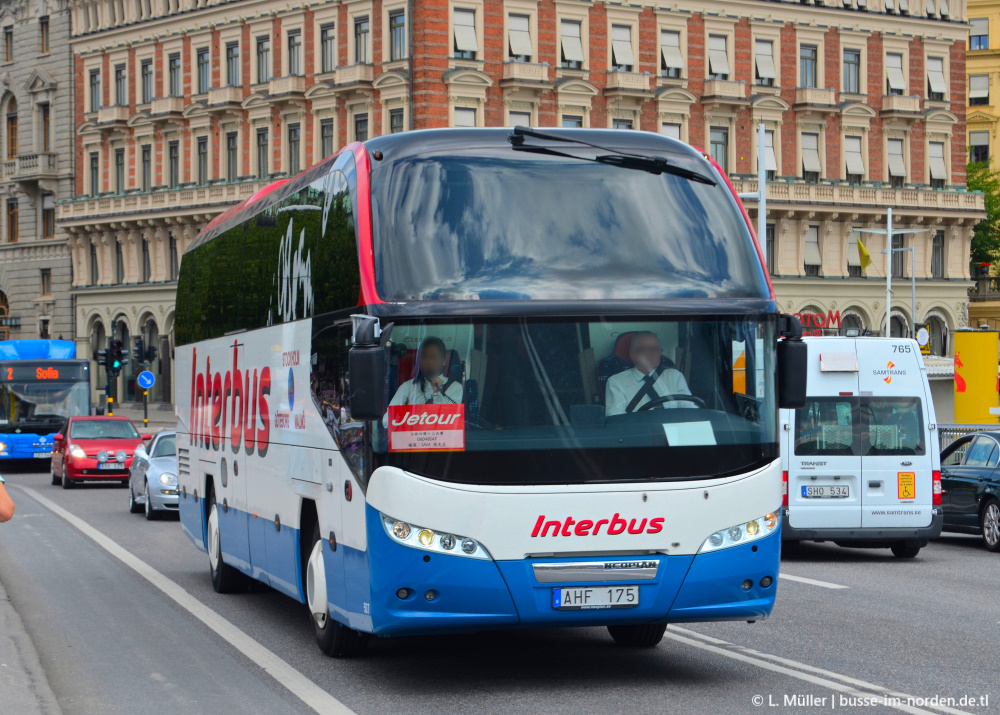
(94, 449)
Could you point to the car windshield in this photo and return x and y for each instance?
(22, 402)
(486, 222)
(103, 429)
(165, 447)
(592, 400)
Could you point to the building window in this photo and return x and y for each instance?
(395, 121)
(202, 160)
(146, 268)
(936, 86)
(520, 119)
(811, 166)
(293, 149)
(979, 90)
(621, 123)
(572, 121)
(979, 146)
(232, 168)
(814, 259)
(8, 43)
(465, 117)
(233, 64)
(326, 137)
(121, 91)
(719, 139)
(119, 264)
(937, 255)
(897, 257)
(46, 126)
(262, 157)
(48, 216)
(203, 70)
(360, 127)
(173, 156)
(12, 138)
(397, 35)
(12, 221)
(328, 48)
(671, 60)
(119, 171)
(43, 34)
(763, 57)
(361, 28)
(852, 71)
(894, 79)
(808, 55)
(770, 160)
(174, 75)
(979, 35)
(147, 167)
(466, 43)
(769, 247)
(854, 257)
(174, 265)
(294, 53)
(572, 47)
(718, 57)
(146, 70)
(897, 166)
(94, 276)
(263, 59)
(670, 129)
(46, 281)
(95, 175)
(854, 161)
(95, 90)
(519, 38)
(938, 169)
(621, 48)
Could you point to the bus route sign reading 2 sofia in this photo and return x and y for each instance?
(426, 428)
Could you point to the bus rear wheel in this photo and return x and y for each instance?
(333, 638)
(643, 636)
(225, 578)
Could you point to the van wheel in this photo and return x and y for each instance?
(333, 638)
(225, 579)
(644, 636)
(989, 520)
(905, 549)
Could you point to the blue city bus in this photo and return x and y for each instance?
(41, 384)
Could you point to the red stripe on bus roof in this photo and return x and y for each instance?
(366, 248)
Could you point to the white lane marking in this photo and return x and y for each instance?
(299, 685)
(810, 581)
(795, 669)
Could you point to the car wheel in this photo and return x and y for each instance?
(133, 506)
(333, 638)
(644, 636)
(905, 549)
(66, 483)
(56, 481)
(989, 520)
(225, 578)
(151, 514)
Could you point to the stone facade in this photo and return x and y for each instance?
(36, 168)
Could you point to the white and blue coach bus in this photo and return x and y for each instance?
(456, 380)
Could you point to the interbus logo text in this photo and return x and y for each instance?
(230, 405)
(585, 527)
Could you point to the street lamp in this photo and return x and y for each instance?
(889, 233)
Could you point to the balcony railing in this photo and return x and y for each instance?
(726, 89)
(628, 81)
(196, 198)
(867, 197)
(352, 74)
(111, 115)
(527, 72)
(37, 165)
(901, 103)
(815, 97)
(225, 95)
(166, 105)
(281, 86)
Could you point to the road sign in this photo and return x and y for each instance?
(145, 379)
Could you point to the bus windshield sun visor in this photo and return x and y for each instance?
(625, 160)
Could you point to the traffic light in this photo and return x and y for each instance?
(102, 358)
(138, 351)
(116, 357)
(151, 352)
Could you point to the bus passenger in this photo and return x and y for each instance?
(647, 380)
(429, 386)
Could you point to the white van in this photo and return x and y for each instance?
(861, 460)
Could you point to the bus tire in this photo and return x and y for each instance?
(644, 636)
(333, 638)
(905, 549)
(225, 578)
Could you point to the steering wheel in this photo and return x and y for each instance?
(672, 398)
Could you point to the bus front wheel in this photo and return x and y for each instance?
(644, 636)
(333, 638)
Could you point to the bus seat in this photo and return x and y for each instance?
(618, 361)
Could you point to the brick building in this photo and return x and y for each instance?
(186, 106)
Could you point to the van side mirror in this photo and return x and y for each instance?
(793, 364)
(367, 362)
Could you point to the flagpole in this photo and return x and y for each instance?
(888, 277)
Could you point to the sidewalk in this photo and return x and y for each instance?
(24, 689)
(159, 419)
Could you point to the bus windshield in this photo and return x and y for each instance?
(566, 401)
(486, 222)
(37, 402)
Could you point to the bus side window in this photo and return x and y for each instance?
(329, 386)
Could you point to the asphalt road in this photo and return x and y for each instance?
(110, 641)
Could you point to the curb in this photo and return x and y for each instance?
(25, 687)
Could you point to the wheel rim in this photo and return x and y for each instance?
(214, 544)
(991, 524)
(131, 498)
(316, 585)
(145, 493)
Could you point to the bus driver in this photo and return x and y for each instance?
(628, 391)
(429, 386)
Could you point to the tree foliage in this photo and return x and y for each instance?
(986, 238)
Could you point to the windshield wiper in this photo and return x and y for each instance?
(622, 159)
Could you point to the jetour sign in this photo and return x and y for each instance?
(814, 323)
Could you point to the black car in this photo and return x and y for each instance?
(970, 487)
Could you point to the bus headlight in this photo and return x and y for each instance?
(741, 533)
(419, 537)
(3, 446)
(76, 450)
(169, 479)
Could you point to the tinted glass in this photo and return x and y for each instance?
(957, 453)
(895, 425)
(165, 447)
(103, 429)
(983, 453)
(827, 426)
(488, 222)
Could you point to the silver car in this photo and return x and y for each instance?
(152, 482)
